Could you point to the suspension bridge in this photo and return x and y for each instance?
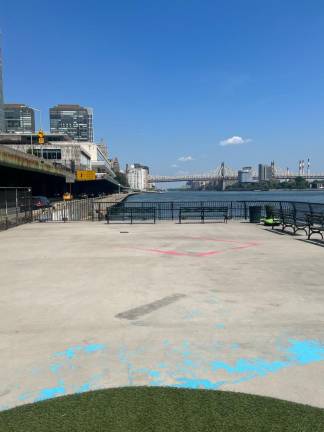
(225, 173)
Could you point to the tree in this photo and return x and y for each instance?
(301, 183)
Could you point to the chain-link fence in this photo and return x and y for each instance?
(15, 207)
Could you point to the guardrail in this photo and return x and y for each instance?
(15, 206)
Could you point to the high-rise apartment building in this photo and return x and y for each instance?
(266, 172)
(137, 176)
(73, 120)
(2, 126)
(245, 175)
(18, 118)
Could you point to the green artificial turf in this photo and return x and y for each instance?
(155, 409)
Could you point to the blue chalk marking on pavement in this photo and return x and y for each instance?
(298, 353)
(244, 379)
(94, 379)
(24, 396)
(84, 388)
(123, 358)
(188, 362)
(306, 351)
(55, 367)
(186, 349)
(183, 382)
(220, 326)
(189, 370)
(94, 348)
(155, 378)
(239, 371)
(51, 392)
(69, 353)
(235, 346)
(255, 366)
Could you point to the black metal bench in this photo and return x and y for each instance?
(289, 219)
(203, 213)
(131, 214)
(315, 223)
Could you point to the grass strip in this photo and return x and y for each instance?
(156, 409)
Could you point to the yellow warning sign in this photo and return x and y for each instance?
(85, 175)
(41, 139)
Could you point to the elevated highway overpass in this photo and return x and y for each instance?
(19, 160)
(19, 169)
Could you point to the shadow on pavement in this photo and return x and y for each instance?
(313, 242)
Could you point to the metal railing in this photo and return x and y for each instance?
(15, 206)
(66, 211)
(169, 210)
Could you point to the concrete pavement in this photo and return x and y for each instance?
(89, 305)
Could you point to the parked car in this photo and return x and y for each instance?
(39, 202)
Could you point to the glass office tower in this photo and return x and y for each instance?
(73, 120)
(19, 118)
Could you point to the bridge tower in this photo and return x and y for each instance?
(301, 170)
(222, 180)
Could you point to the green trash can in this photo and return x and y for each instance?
(255, 214)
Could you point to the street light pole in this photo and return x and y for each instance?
(40, 124)
(40, 119)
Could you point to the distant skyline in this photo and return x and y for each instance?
(177, 85)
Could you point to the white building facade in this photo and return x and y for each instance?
(137, 177)
(100, 161)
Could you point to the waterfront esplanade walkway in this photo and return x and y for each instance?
(218, 306)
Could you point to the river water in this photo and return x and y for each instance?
(313, 196)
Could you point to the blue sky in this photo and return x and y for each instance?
(173, 79)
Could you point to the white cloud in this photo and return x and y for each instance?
(235, 140)
(185, 158)
(174, 166)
